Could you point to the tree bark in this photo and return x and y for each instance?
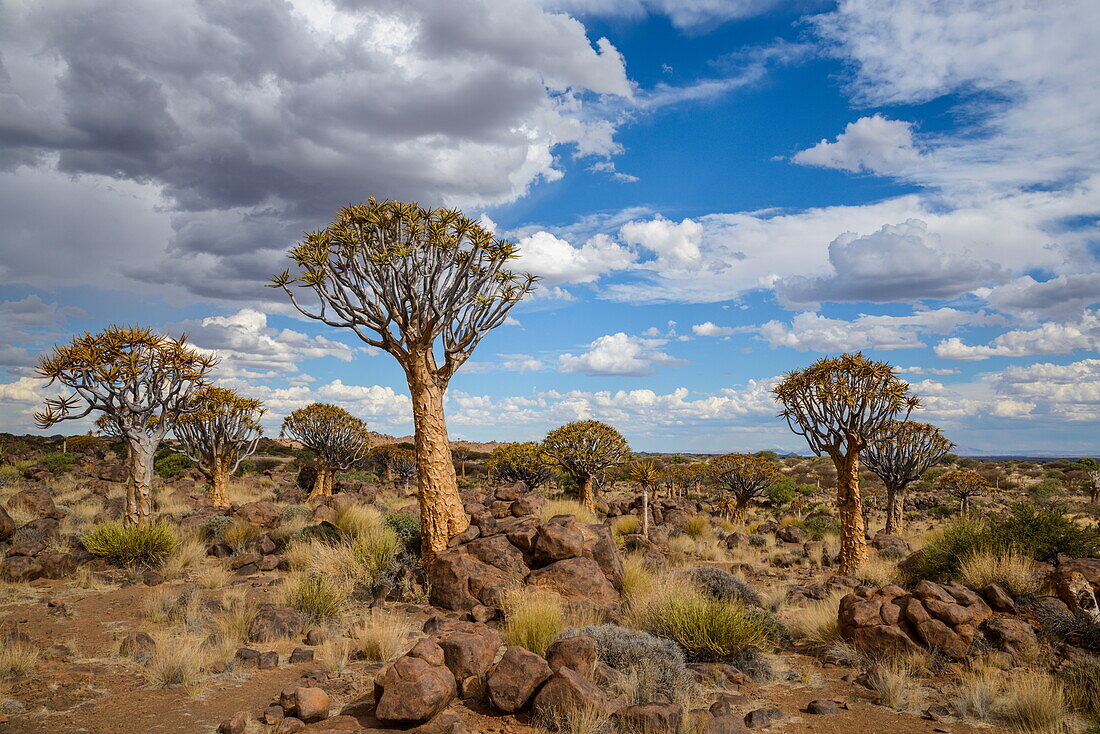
(588, 493)
(322, 485)
(853, 531)
(645, 512)
(139, 483)
(740, 511)
(895, 510)
(441, 513)
(219, 487)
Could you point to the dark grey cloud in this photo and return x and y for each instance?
(245, 122)
(899, 263)
(1060, 297)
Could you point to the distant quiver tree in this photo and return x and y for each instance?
(424, 285)
(338, 438)
(140, 381)
(898, 455)
(521, 462)
(963, 484)
(218, 432)
(839, 405)
(743, 477)
(584, 449)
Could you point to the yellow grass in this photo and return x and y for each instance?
(568, 507)
(381, 636)
(532, 618)
(1011, 569)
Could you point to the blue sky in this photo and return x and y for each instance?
(714, 193)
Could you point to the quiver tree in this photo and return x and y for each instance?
(1094, 485)
(424, 285)
(585, 449)
(338, 438)
(962, 484)
(898, 455)
(140, 381)
(743, 477)
(461, 455)
(839, 405)
(403, 466)
(521, 462)
(648, 475)
(218, 432)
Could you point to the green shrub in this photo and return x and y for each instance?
(818, 526)
(130, 545)
(319, 598)
(1045, 489)
(58, 462)
(1043, 533)
(941, 556)
(708, 629)
(757, 541)
(718, 583)
(292, 511)
(169, 463)
(658, 663)
(213, 527)
(247, 468)
(407, 527)
(781, 492)
(942, 511)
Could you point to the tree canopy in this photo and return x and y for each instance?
(339, 439)
(584, 449)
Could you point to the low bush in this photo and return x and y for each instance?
(319, 598)
(708, 629)
(758, 541)
(818, 526)
(291, 512)
(169, 463)
(626, 650)
(717, 583)
(1038, 533)
(212, 527)
(1045, 489)
(247, 468)
(58, 462)
(407, 527)
(129, 545)
(781, 492)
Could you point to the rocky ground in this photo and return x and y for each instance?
(207, 641)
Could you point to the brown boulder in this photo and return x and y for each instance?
(556, 543)
(578, 580)
(20, 568)
(496, 550)
(468, 657)
(790, 534)
(578, 653)
(260, 514)
(568, 691)
(36, 500)
(7, 525)
(651, 718)
(411, 691)
(461, 582)
(274, 623)
(1013, 636)
(512, 682)
(312, 703)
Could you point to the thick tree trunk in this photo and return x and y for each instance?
(740, 511)
(139, 482)
(853, 531)
(219, 487)
(322, 485)
(895, 510)
(441, 513)
(587, 493)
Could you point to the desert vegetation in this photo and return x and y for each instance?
(339, 579)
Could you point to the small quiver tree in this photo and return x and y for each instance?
(521, 462)
(461, 455)
(743, 477)
(403, 466)
(839, 405)
(585, 449)
(218, 432)
(338, 438)
(898, 455)
(648, 475)
(424, 285)
(962, 484)
(140, 381)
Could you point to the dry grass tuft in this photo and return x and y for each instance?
(333, 656)
(1011, 569)
(978, 690)
(1035, 702)
(894, 686)
(240, 534)
(568, 507)
(877, 571)
(381, 637)
(816, 625)
(573, 720)
(188, 554)
(17, 658)
(639, 582)
(212, 577)
(320, 599)
(698, 527)
(533, 618)
(179, 661)
(626, 524)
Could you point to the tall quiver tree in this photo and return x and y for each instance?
(898, 455)
(584, 449)
(839, 405)
(424, 285)
(219, 431)
(140, 381)
(743, 477)
(338, 438)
